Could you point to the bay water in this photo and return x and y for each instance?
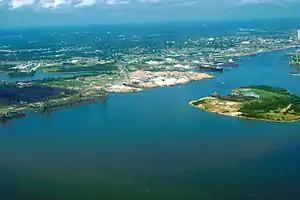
(154, 145)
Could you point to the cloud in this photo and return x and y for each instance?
(20, 3)
(254, 1)
(117, 2)
(85, 3)
(96, 11)
(281, 2)
(212, 4)
(53, 3)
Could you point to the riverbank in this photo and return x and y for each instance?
(86, 89)
(141, 80)
(154, 145)
(254, 103)
(238, 116)
(23, 98)
(47, 106)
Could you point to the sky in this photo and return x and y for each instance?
(15, 13)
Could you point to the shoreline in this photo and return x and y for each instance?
(242, 55)
(238, 116)
(162, 86)
(158, 80)
(48, 106)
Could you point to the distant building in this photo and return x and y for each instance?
(245, 42)
(298, 36)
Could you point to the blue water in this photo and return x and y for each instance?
(154, 145)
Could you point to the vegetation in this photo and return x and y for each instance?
(6, 67)
(273, 104)
(274, 101)
(82, 68)
(267, 88)
(196, 103)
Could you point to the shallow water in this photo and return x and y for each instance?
(154, 145)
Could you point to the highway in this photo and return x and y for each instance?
(124, 71)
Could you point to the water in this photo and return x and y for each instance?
(154, 145)
(40, 74)
(12, 93)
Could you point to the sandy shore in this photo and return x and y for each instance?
(236, 116)
(140, 80)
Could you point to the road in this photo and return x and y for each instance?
(124, 71)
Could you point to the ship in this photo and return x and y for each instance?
(230, 63)
(211, 68)
(294, 74)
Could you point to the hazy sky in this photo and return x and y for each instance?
(61, 12)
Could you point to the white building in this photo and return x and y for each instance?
(298, 35)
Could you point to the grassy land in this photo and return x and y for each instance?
(81, 68)
(271, 104)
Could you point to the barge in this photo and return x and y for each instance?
(211, 69)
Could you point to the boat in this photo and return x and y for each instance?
(230, 63)
(294, 74)
(211, 68)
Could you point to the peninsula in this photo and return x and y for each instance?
(254, 102)
(16, 99)
(59, 70)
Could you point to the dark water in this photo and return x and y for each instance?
(40, 74)
(11, 93)
(154, 145)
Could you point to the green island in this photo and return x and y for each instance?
(260, 102)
